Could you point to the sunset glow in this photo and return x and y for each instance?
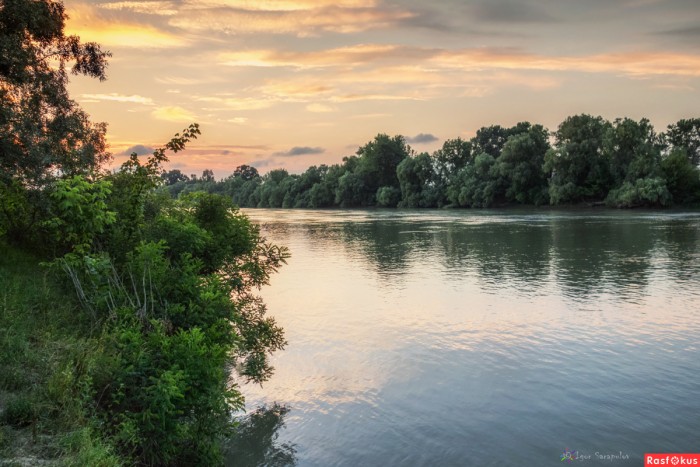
(263, 77)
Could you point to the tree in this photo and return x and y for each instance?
(685, 134)
(377, 164)
(477, 184)
(454, 155)
(575, 164)
(43, 133)
(417, 180)
(207, 176)
(520, 166)
(246, 172)
(682, 177)
(632, 149)
(491, 139)
(174, 176)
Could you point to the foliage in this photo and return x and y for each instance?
(19, 214)
(632, 149)
(590, 158)
(131, 186)
(476, 185)
(642, 192)
(418, 181)
(43, 132)
(178, 309)
(682, 177)
(388, 197)
(246, 172)
(576, 166)
(80, 212)
(685, 134)
(46, 355)
(520, 165)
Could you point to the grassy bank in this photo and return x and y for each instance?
(47, 347)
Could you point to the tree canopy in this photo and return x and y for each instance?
(43, 133)
(588, 159)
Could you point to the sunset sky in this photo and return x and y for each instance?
(293, 83)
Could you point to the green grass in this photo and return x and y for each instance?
(46, 353)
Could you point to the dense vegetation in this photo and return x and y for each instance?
(588, 159)
(119, 347)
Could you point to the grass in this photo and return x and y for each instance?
(46, 353)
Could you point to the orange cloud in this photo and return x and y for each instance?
(287, 5)
(355, 55)
(423, 61)
(85, 22)
(635, 64)
(299, 22)
(173, 114)
(160, 8)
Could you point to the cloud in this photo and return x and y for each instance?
(689, 32)
(287, 5)
(354, 55)
(300, 151)
(389, 63)
(261, 163)
(510, 12)
(320, 108)
(422, 138)
(237, 120)
(134, 99)
(86, 22)
(308, 20)
(139, 149)
(146, 7)
(173, 114)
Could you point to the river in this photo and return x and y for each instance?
(504, 338)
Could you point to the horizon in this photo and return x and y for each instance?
(294, 83)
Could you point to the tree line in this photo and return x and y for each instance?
(588, 159)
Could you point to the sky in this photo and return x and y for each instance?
(293, 83)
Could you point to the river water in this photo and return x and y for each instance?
(503, 338)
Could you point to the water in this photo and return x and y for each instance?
(480, 338)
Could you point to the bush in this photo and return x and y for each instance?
(19, 412)
(388, 196)
(643, 192)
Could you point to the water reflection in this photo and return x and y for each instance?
(586, 253)
(256, 441)
(485, 338)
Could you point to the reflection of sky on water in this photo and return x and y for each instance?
(409, 331)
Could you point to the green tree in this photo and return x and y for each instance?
(207, 175)
(685, 134)
(43, 133)
(417, 181)
(454, 155)
(633, 150)
(351, 191)
(520, 166)
(575, 165)
(491, 139)
(246, 172)
(174, 176)
(682, 177)
(377, 164)
(478, 184)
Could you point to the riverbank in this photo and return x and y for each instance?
(44, 358)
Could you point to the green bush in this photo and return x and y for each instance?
(80, 212)
(643, 192)
(19, 412)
